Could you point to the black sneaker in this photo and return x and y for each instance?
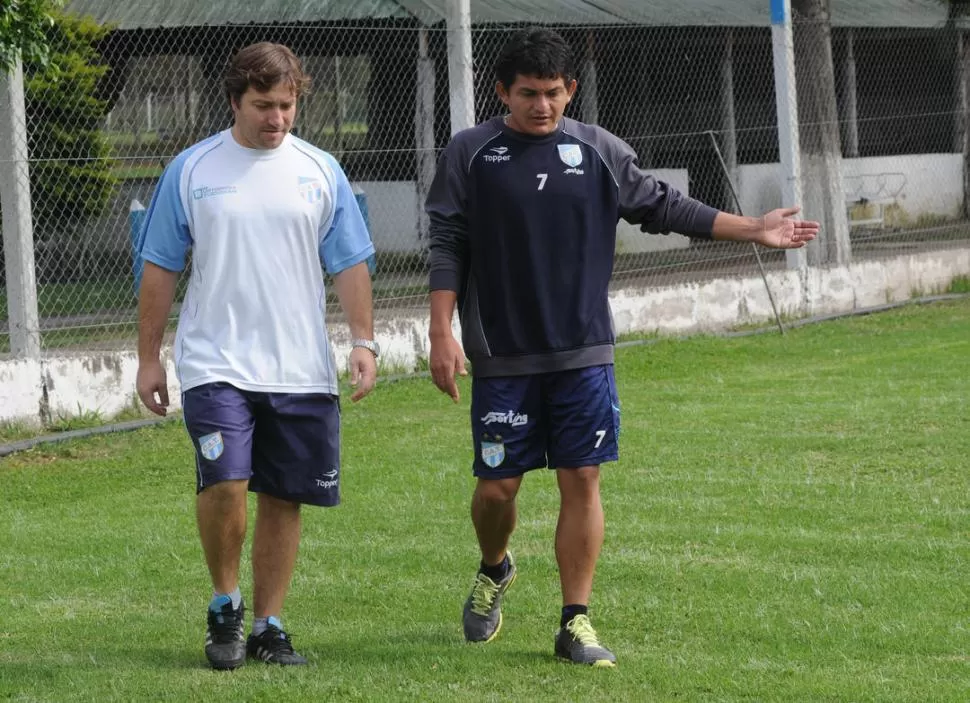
(482, 615)
(274, 647)
(577, 642)
(225, 647)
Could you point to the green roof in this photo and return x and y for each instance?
(738, 13)
(143, 14)
(146, 14)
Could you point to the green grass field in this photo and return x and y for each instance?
(790, 521)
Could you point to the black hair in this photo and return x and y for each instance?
(535, 51)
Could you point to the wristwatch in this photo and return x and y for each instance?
(368, 344)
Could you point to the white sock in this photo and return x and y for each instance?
(260, 624)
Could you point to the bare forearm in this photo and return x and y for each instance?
(154, 306)
(353, 288)
(442, 308)
(735, 228)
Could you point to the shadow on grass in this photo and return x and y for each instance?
(409, 650)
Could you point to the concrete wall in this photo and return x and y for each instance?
(920, 185)
(393, 214)
(104, 382)
(629, 238)
(927, 184)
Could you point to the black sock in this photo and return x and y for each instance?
(497, 572)
(571, 611)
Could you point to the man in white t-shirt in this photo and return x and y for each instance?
(260, 210)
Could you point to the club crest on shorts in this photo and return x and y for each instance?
(211, 446)
(570, 154)
(493, 453)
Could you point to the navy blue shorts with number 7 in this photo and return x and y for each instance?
(561, 419)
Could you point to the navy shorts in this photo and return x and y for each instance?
(563, 420)
(286, 444)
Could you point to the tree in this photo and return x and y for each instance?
(821, 147)
(23, 31)
(70, 177)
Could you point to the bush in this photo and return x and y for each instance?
(71, 178)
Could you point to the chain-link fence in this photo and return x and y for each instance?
(697, 103)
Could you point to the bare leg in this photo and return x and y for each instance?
(494, 516)
(276, 540)
(579, 533)
(221, 516)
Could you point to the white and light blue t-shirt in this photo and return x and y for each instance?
(259, 223)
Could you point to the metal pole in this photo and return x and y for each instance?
(18, 228)
(729, 124)
(786, 102)
(754, 247)
(460, 77)
(850, 93)
(424, 131)
(340, 109)
(589, 90)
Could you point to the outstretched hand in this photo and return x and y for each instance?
(780, 231)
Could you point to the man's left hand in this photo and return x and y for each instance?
(780, 231)
(363, 372)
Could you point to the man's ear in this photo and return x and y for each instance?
(502, 93)
(571, 89)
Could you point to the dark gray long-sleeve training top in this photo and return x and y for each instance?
(523, 229)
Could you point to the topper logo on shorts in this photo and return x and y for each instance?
(329, 479)
(511, 418)
(211, 446)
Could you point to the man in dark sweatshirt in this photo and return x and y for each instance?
(523, 213)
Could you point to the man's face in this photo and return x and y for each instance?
(264, 119)
(535, 104)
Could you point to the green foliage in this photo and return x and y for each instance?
(24, 26)
(83, 419)
(13, 431)
(960, 284)
(71, 179)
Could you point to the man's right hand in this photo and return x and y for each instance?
(447, 360)
(151, 381)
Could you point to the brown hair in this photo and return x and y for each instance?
(263, 66)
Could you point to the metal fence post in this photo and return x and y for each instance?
(789, 149)
(18, 234)
(460, 75)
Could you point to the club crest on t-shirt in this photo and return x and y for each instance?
(311, 189)
(570, 154)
